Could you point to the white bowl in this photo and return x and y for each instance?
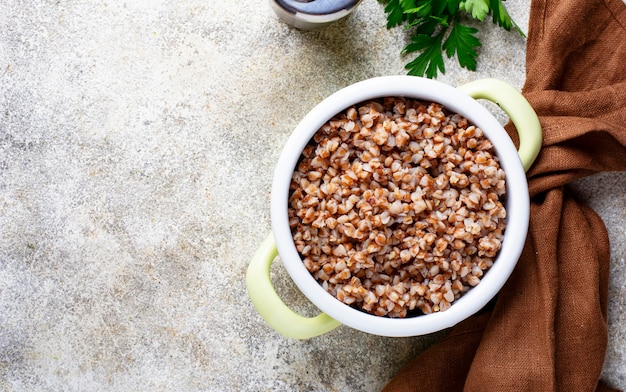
(457, 100)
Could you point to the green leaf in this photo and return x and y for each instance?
(462, 41)
(502, 18)
(421, 11)
(453, 6)
(395, 15)
(419, 42)
(430, 61)
(425, 26)
(407, 4)
(477, 8)
(439, 7)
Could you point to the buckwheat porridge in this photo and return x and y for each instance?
(396, 206)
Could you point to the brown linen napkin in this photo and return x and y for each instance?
(547, 330)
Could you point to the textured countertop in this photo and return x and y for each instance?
(137, 145)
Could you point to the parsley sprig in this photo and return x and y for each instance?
(436, 27)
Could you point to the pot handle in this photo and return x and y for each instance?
(517, 108)
(269, 305)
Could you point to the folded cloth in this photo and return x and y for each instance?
(547, 330)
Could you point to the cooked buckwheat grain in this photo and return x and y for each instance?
(396, 205)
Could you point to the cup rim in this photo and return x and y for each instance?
(455, 101)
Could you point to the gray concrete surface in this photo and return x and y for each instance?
(137, 143)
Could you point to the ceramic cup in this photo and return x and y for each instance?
(462, 100)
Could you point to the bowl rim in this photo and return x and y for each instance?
(455, 101)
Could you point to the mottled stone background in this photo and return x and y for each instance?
(137, 144)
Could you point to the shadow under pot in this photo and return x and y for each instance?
(399, 207)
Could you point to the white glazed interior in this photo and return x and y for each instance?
(517, 204)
